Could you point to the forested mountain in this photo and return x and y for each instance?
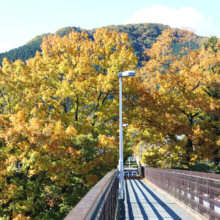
(141, 35)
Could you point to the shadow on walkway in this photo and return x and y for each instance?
(141, 201)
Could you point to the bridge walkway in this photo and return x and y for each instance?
(143, 202)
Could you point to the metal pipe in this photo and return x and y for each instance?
(121, 167)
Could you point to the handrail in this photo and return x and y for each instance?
(200, 191)
(85, 209)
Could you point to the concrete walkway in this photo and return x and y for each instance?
(143, 202)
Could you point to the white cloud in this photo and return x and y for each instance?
(175, 18)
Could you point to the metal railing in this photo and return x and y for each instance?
(130, 174)
(200, 191)
(108, 209)
(100, 203)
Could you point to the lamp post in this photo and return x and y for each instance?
(120, 163)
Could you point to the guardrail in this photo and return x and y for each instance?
(130, 174)
(100, 203)
(200, 191)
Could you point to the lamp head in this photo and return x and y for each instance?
(127, 73)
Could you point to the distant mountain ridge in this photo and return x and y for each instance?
(141, 35)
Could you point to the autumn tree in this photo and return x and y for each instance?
(175, 102)
(211, 63)
(59, 122)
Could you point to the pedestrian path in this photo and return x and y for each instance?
(143, 202)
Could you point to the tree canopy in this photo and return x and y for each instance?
(179, 108)
(59, 122)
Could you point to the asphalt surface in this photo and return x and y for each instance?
(143, 202)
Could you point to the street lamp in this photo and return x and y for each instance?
(120, 163)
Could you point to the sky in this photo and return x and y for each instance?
(23, 20)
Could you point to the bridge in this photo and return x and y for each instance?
(152, 194)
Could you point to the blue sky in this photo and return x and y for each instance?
(22, 20)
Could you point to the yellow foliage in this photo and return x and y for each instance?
(180, 93)
(20, 217)
(58, 114)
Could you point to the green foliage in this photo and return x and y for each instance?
(177, 47)
(65, 31)
(205, 167)
(23, 53)
(212, 45)
(132, 163)
(38, 39)
(141, 35)
(134, 166)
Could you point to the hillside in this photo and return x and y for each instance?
(141, 36)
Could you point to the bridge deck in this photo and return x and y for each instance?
(143, 202)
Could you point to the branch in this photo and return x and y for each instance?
(196, 86)
(183, 87)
